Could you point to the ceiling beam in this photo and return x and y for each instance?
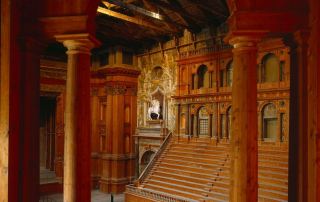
(176, 7)
(134, 8)
(135, 20)
(110, 5)
(167, 20)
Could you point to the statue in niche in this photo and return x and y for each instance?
(154, 110)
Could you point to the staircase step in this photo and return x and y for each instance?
(179, 181)
(176, 186)
(273, 194)
(199, 170)
(202, 167)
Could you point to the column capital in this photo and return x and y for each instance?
(245, 39)
(76, 43)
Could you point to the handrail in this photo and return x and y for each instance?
(148, 168)
(159, 196)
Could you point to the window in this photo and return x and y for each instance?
(203, 76)
(270, 68)
(203, 121)
(269, 122)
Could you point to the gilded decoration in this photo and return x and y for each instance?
(158, 74)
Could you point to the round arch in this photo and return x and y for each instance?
(145, 159)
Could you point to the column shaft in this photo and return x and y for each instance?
(77, 142)
(244, 154)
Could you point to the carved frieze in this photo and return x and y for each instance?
(118, 89)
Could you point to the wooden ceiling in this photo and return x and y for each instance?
(142, 22)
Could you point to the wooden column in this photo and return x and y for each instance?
(313, 135)
(244, 146)
(96, 119)
(4, 98)
(59, 142)
(77, 143)
(118, 160)
(298, 145)
(19, 104)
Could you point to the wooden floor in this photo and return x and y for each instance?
(198, 170)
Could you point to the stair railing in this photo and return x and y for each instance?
(151, 164)
(155, 195)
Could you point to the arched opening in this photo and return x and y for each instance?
(269, 122)
(269, 68)
(203, 77)
(145, 159)
(203, 123)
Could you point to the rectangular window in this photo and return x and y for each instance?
(203, 127)
(270, 128)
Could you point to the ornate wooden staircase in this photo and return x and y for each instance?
(198, 170)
